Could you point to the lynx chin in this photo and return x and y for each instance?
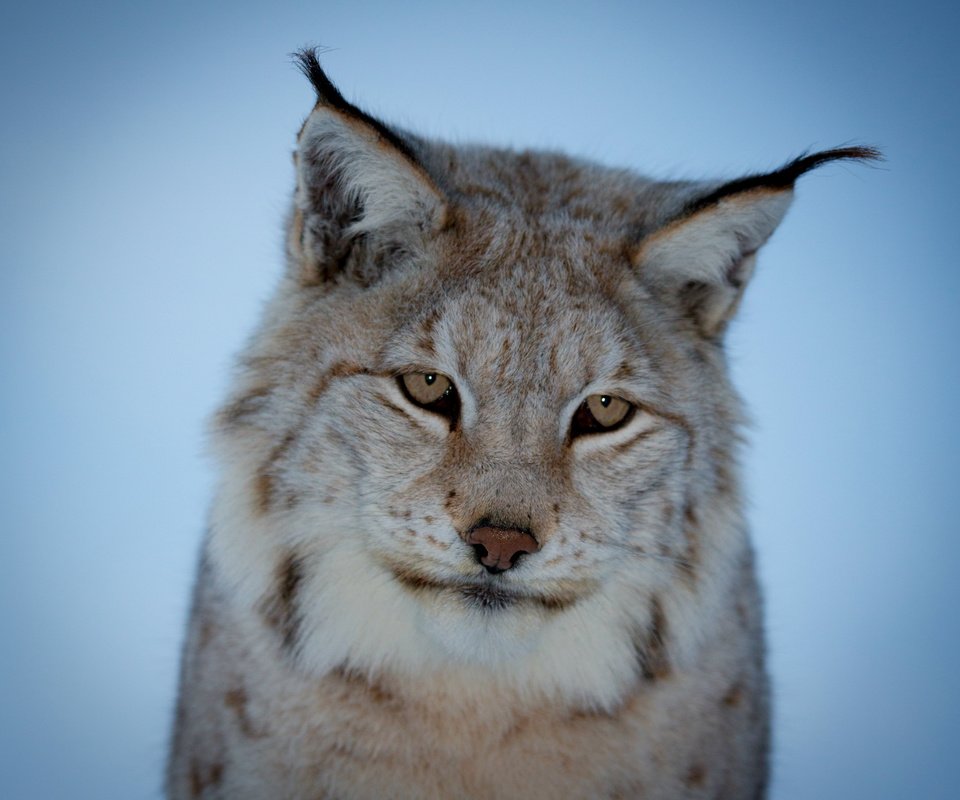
(478, 531)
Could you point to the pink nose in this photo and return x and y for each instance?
(499, 548)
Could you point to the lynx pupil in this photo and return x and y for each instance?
(601, 413)
(433, 392)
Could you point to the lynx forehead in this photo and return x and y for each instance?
(478, 531)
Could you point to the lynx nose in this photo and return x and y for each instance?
(499, 548)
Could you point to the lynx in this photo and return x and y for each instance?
(479, 529)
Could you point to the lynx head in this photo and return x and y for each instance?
(486, 420)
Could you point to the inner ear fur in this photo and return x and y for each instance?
(363, 200)
(702, 257)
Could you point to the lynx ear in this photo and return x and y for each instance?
(702, 256)
(362, 199)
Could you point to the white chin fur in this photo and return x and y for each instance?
(354, 612)
(366, 618)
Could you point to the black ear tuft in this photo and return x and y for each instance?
(308, 62)
(782, 178)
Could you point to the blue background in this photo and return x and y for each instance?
(144, 173)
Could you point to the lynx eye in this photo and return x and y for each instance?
(432, 391)
(600, 413)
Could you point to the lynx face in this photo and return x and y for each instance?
(478, 531)
(487, 420)
(510, 444)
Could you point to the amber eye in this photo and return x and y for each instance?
(600, 413)
(432, 391)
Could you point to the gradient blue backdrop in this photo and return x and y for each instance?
(144, 173)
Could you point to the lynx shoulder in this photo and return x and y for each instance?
(479, 529)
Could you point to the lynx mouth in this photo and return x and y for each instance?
(489, 598)
(490, 595)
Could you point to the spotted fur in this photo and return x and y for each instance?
(345, 642)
